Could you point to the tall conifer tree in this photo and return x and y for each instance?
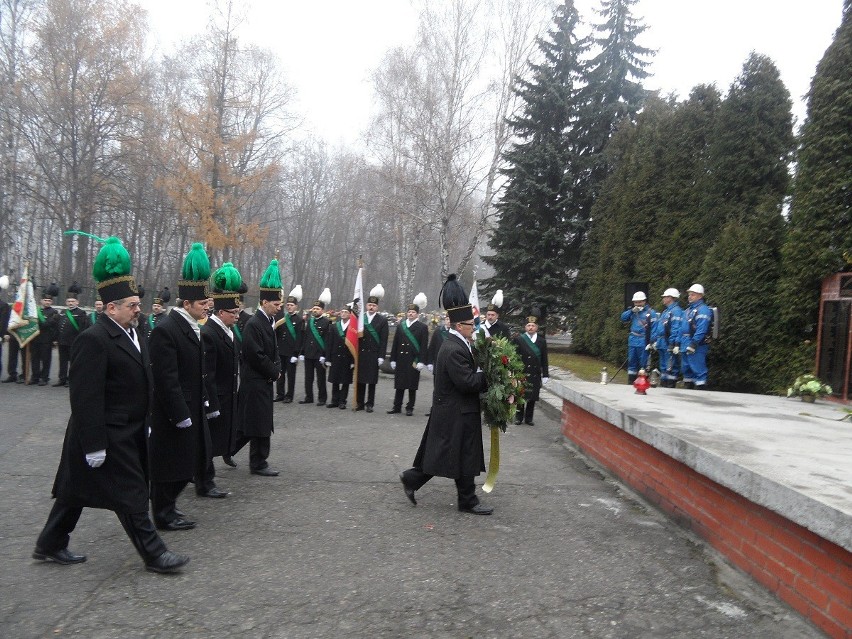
(536, 240)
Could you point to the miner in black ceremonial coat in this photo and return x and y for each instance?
(339, 359)
(72, 321)
(314, 344)
(452, 442)
(41, 347)
(372, 347)
(180, 438)
(259, 371)
(158, 313)
(493, 326)
(408, 356)
(104, 461)
(532, 347)
(289, 329)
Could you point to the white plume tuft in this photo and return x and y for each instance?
(325, 296)
(4, 282)
(420, 300)
(297, 292)
(497, 300)
(377, 291)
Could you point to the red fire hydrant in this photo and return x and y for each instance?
(641, 384)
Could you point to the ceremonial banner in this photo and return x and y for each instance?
(473, 298)
(23, 320)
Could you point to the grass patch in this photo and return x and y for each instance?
(584, 367)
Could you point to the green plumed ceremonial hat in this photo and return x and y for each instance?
(227, 282)
(111, 269)
(270, 283)
(195, 274)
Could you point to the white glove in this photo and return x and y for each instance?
(676, 350)
(214, 414)
(393, 366)
(96, 459)
(322, 360)
(650, 347)
(545, 380)
(420, 366)
(636, 309)
(381, 361)
(294, 359)
(185, 423)
(430, 367)
(206, 403)
(351, 365)
(301, 358)
(326, 364)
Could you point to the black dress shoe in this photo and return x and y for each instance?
(530, 423)
(479, 509)
(176, 524)
(20, 380)
(394, 411)
(62, 556)
(342, 406)
(179, 513)
(409, 412)
(215, 493)
(357, 408)
(369, 409)
(227, 459)
(60, 384)
(306, 401)
(167, 563)
(288, 400)
(265, 472)
(331, 405)
(518, 422)
(322, 403)
(42, 383)
(278, 399)
(9, 380)
(409, 492)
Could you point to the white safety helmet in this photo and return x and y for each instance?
(696, 288)
(671, 292)
(639, 296)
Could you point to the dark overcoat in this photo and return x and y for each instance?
(66, 331)
(452, 442)
(370, 350)
(406, 354)
(534, 367)
(177, 363)
(311, 346)
(259, 369)
(289, 345)
(338, 355)
(222, 367)
(499, 329)
(438, 336)
(110, 385)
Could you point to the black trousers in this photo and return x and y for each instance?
(15, 353)
(398, 395)
(164, 496)
(40, 356)
(371, 395)
(259, 448)
(287, 380)
(415, 478)
(339, 394)
(313, 366)
(64, 358)
(63, 519)
(526, 413)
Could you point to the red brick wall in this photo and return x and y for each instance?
(811, 574)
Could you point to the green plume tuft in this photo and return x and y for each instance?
(227, 278)
(196, 264)
(271, 278)
(113, 260)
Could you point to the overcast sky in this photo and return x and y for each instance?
(328, 48)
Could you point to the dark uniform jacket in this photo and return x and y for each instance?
(452, 442)
(221, 366)
(177, 362)
(534, 367)
(110, 385)
(259, 369)
(311, 348)
(438, 336)
(288, 344)
(370, 350)
(499, 329)
(66, 331)
(406, 355)
(49, 328)
(150, 322)
(338, 355)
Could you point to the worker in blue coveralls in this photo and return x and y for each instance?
(694, 339)
(642, 318)
(666, 338)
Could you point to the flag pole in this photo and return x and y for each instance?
(360, 265)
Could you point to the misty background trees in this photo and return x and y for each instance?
(511, 141)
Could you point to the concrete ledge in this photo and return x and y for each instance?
(764, 480)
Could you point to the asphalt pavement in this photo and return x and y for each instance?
(332, 548)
